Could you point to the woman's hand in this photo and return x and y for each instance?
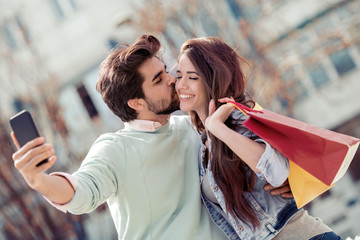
(248, 150)
(226, 99)
(217, 117)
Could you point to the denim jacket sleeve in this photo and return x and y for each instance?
(273, 165)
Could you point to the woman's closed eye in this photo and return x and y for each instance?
(191, 78)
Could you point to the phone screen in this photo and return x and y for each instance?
(24, 128)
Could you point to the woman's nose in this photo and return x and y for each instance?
(179, 83)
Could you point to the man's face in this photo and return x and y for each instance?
(159, 87)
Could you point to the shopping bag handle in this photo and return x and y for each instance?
(244, 109)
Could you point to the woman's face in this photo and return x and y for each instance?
(190, 88)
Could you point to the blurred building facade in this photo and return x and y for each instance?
(305, 57)
(310, 51)
(316, 54)
(49, 55)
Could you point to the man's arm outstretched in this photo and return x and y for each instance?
(55, 188)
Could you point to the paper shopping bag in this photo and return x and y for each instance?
(304, 186)
(318, 157)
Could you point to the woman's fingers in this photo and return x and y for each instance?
(223, 112)
(226, 99)
(226, 110)
(212, 107)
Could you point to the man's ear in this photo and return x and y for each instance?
(136, 103)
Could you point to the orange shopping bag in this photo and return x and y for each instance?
(318, 157)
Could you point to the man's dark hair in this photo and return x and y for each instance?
(119, 76)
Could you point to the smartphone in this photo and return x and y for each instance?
(25, 129)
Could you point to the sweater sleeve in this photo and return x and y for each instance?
(73, 181)
(100, 175)
(273, 166)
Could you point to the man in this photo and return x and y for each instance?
(148, 171)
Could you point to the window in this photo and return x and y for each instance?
(318, 75)
(112, 43)
(56, 6)
(9, 37)
(234, 8)
(18, 105)
(283, 102)
(86, 100)
(22, 27)
(15, 33)
(63, 7)
(342, 61)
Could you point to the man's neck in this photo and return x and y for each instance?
(162, 119)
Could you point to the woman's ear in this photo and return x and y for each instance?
(136, 103)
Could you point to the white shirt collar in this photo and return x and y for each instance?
(143, 125)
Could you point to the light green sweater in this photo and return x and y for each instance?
(150, 181)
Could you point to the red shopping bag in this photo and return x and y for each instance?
(318, 156)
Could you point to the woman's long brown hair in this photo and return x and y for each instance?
(220, 69)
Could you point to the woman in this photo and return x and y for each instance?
(236, 163)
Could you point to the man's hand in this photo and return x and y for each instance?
(27, 157)
(55, 188)
(284, 190)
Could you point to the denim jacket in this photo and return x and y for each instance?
(273, 212)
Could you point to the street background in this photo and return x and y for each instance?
(305, 58)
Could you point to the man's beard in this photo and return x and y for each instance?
(162, 108)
